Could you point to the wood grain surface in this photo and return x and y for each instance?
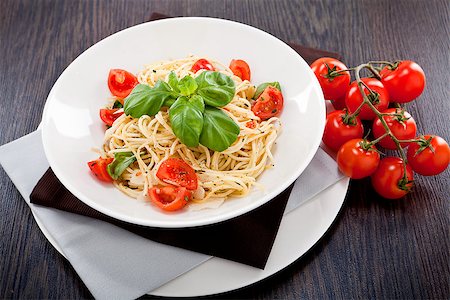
(376, 248)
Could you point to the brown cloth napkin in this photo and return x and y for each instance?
(246, 239)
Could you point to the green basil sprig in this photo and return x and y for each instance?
(121, 161)
(219, 130)
(192, 108)
(263, 86)
(186, 119)
(144, 100)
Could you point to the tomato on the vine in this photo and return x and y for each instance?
(388, 179)
(358, 159)
(338, 130)
(334, 85)
(405, 81)
(430, 156)
(401, 124)
(379, 98)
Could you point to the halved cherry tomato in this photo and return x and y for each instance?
(405, 81)
(334, 85)
(429, 157)
(121, 82)
(169, 198)
(337, 132)
(387, 179)
(269, 104)
(98, 167)
(380, 99)
(355, 161)
(202, 64)
(251, 124)
(240, 68)
(177, 172)
(108, 116)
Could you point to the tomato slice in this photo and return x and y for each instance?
(177, 172)
(169, 198)
(98, 167)
(240, 68)
(121, 82)
(202, 64)
(269, 104)
(108, 116)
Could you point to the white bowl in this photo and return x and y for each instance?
(71, 124)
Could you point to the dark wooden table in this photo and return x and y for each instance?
(376, 248)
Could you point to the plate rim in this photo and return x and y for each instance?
(190, 223)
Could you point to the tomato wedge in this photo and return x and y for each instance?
(169, 198)
(240, 68)
(108, 116)
(98, 167)
(177, 172)
(121, 82)
(202, 64)
(269, 104)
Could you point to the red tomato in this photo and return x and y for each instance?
(354, 98)
(98, 167)
(108, 116)
(202, 64)
(402, 126)
(269, 104)
(335, 86)
(240, 68)
(355, 161)
(337, 132)
(177, 172)
(169, 198)
(121, 82)
(387, 179)
(251, 124)
(404, 82)
(429, 157)
(338, 104)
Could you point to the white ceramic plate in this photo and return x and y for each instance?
(299, 231)
(71, 126)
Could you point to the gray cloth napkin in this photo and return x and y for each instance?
(112, 262)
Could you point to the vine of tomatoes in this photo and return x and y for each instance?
(376, 99)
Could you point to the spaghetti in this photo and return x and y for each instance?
(231, 172)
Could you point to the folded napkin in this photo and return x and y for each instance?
(115, 263)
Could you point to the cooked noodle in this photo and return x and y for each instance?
(231, 172)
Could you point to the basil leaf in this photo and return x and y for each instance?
(168, 102)
(186, 119)
(263, 86)
(216, 89)
(187, 85)
(219, 130)
(173, 81)
(117, 104)
(145, 100)
(121, 161)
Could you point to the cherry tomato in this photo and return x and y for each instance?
(108, 116)
(356, 160)
(202, 64)
(269, 104)
(402, 126)
(121, 82)
(337, 132)
(240, 68)
(334, 86)
(387, 179)
(380, 99)
(429, 157)
(98, 167)
(405, 81)
(177, 172)
(338, 104)
(169, 198)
